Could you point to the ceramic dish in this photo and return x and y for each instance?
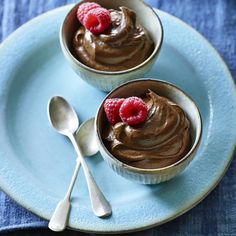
(37, 163)
(162, 88)
(108, 80)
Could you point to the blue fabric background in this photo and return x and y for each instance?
(216, 20)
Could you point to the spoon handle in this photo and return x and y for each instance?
(100, 205)
(59, 218)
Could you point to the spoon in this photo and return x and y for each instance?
(64, 119)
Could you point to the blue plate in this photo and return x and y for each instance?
(37, 163)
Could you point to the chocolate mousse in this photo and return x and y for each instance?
(161, 140)
(125, 44)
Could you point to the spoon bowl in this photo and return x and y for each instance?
(62, 116)
(86, 138)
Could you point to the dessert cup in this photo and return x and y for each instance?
(170, 91)
(108, 80)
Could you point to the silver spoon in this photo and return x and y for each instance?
(64, 119)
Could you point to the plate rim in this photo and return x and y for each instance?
(231, 152)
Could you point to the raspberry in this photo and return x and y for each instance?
(97, 20)
(133, 111)
(111, 107)
(84, 8)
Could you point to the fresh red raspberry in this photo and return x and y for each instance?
(111, 107)
(84, 8)
(97, 20)
(133, 111)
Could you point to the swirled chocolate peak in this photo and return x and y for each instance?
(124, 45)
(162, 140)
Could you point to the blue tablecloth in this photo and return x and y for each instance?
(216, 20)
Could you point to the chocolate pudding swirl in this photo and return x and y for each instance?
(124, 45)
(162, 140)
